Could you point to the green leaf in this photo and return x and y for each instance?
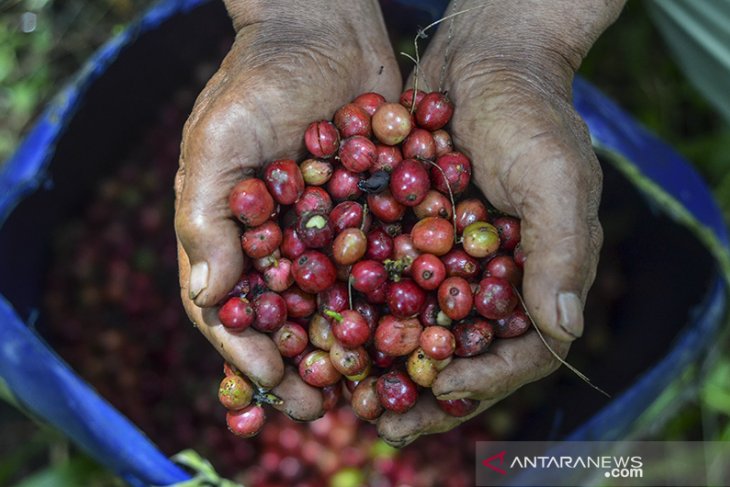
(205, 474)
(697, 33)
(79, 470)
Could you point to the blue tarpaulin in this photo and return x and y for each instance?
(44, 385)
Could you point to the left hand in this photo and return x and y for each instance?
(532, 157)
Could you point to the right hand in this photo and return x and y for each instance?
(291, 63)
(532, 158)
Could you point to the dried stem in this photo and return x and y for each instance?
(417, 60)
(555, 354)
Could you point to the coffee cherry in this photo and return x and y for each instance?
(505, 267)
(334, 298)
(322, 139)
(470, 211)
(455, 298)
(396, 391)
(428, 271)
(348, 214)
(509, 232)
(316, 172)
(442, 141)
(385, 207)
(387, 158)
(434, 111)
(480, 240)
(365, 402)
(369, 102)
(397, 337)
(320, 332)
(455, 168)
(367, 275)
(349, 246)
(235, 392)
(495, 299)
(313, 200)
(314, 230)
(458, 407)
(352, 120)
(411, 97)
(284, 181)
(391, 123)
(237, 314)
(421, 368)
(314, 272)
(409, 182)
(434, 204)
(433, 235)
(357, 153)
(379, 246)
(316, 369)
(251, 202)
(246, 422)
(344, 184)
(515, 324)
(349, 328)
(270, 310)
(405, 298)
(437, 342)
(419, 145)
(291, 339)
(278, 277)
(349, 361)
(460, 264)
(473, 337)
(298, 303)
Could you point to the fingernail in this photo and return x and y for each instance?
(401, 442)
(198, 279)
(570, 310)
(453, 396)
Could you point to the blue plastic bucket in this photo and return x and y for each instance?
(134, 70)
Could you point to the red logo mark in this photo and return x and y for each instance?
(488, 462)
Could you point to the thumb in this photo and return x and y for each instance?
(205, 226)
(561, 238)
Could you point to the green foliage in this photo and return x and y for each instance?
(698, 36)
(77, 471)
(42, 43)
(204, 475)
(631, 63)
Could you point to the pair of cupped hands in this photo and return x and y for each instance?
(507, 68)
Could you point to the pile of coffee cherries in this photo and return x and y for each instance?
(373, 262)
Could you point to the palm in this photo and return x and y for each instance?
(532, 158)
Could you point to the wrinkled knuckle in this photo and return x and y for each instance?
(595, 230)
(188, 226)
(549, 363)
(305, 414)
(392, 433)
(179, 181)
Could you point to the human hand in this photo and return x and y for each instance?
(291, 63)
(532, 157)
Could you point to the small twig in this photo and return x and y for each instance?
(415, 80)
(349, 290)
(263, 396)
(421, 34)
(560, 359)
(364, 217)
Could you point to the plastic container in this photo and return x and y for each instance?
(108, 105)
